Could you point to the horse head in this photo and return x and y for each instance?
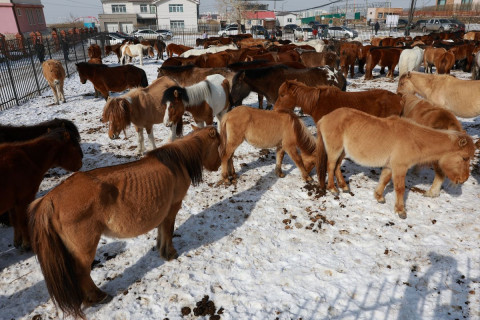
(240, 89)
(117, 113)
(405, 84)
(174, 98)
(81, 72)
(70, 154)
(287, 99)
(456, 164)
(211, 142)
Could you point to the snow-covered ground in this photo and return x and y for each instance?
(267, 248)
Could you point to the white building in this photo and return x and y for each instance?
(284, 18)
(128, 15)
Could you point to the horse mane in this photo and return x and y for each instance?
(184, 153)
(10, 133)
(305, 140)
(309, 96)
(198, 93)
(262, 72)
(116, 113)
(177, 68)
(243, 64)
(168, 95)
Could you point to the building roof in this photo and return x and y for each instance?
(258, 15)
(284, 13)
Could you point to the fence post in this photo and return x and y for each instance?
(47, 42)
(4, 47)
(82, 35)
(33, 66)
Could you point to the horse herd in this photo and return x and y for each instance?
(376, 128)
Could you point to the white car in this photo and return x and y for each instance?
(229, 30)
(342, 32)
(145, 34)
(304, 33)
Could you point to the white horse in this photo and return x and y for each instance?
(134, 50)
(204, 100)
(213, 49)
(318, 44)
(410, 60)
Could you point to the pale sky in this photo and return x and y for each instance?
(60, 10)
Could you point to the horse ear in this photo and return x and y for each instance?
(175, 94)
(408, 74)
(462, 142)
(212, 132)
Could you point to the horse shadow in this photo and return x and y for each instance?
(198, 230)
(9, 255)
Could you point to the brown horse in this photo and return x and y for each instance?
(117, 79)
(120, 201)
(385, 57)
(161, 47)
(115, 48)
(425, 113)
(55, 75)
(266, 81)
(266, 129)
(462, 97)
(22, 167)
(140, 106)
(394, 143)
(430, 55)
(321, 100)
(444, 63)
(189, 75)
(94, 51)
(320, 59)
(178, 49)
(204, 100)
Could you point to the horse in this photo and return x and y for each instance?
(204, 100)
(410, 59)
(430, 55)
(140, 106)
(425, 113)
(120, 201)
(462, 97)
(178, 49)
(117, 79)
(394, 143)
(22, 167)
(383, 56)
(136, 50)
(266, 129)
(161, 47)
(348, 57)
(94, 51)
(476, 66)
(55, 75)
(9, 133)
(321, 100)
(190, 74)
(444, 62)
(115, 48)
(266, 81)
(320, 59)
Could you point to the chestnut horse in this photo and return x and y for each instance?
(394, 143)
(178, 49)
(140, 106)
(204, 100)
(115, 48)
(22, 167)
(462, 97)
(266, 129)
(94, 51)
(321, 100)
(189, 75)
(117, 79)
(385, 57)
(55, 75)
(425, 113)
(120, 201)
(430, 55)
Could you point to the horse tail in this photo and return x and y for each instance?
(57, 263)
(305, 140)
(144, 80)
(321, 164)
(223, 135)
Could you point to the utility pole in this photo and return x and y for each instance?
(410, 17)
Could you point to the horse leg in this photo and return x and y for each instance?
(278, 163)
(59, 88)
(151, 137)
(55, 95)
(352, 71)
(165, 234)
(141, 59)
(141, 146)
(342, 184)
(228, 171)
(291, 149)
(18, 218)
(399, 185)
(384, 179)
(260, 101)
(434, 190)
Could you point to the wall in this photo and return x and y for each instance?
(189, 14)
(8, 24)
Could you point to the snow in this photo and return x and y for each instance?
(267, 247)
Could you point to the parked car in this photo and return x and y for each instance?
(342, 32)
(419, 24)
(164, 34)
(317, 25)
(460, 25)
(290, 28)
(258, 30)
(114, 38)
(145, 34)
(303, 32)
(439, 25)
(229, 30)
(402, 23)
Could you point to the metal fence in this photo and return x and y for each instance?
(21, 75)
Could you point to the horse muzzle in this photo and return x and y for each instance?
(114, 136)
(168, 123)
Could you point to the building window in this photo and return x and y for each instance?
(289, 19)
(175, 8)
(19, 12)
(119, 8)
(39, 17)
(380, 15)
(153, 9)
(30, 17)
(177, 24)
(466, 1)
(441, 2)
(143, 8)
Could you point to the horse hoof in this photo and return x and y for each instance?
(402, 215)
(346, 189)
(334, 191)
(431, 194)
(106, 300)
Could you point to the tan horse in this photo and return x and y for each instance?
(121, 201)
(55, 75)
(431, 55)
(462, 97)
(140, 106)
(393, 143)
(321, 100)
(266, 129)
(425, 113)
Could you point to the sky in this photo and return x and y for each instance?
(61, 10)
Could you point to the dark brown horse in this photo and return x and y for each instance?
(121, 201)
(266, 81)
(116, 79)
(22, 167)
(189, 75)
